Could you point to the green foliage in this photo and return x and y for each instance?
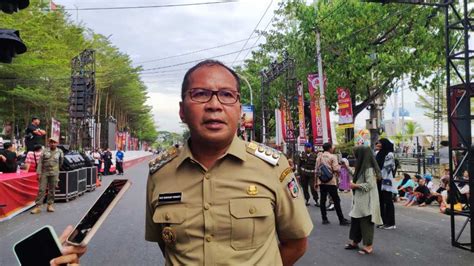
(365, 47)
(38, 82)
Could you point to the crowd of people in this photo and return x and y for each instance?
(192, 224)
(375, 187)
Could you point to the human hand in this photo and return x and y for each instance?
(70, 253)
(354, 186)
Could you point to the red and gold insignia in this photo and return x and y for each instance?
(293, 187)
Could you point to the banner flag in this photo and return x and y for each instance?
(246, 117)
(316, 118)
(302, 123)
(55, 129)
(345, 106)
(278, 129)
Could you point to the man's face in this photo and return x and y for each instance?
(333, 148)
(307, 149)
(36, 122)
(53, 144)
(211, 122)
(12, 148)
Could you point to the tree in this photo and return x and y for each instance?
(366, 47)
(38, 82)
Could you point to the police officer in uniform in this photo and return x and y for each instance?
(307, 172)
(218, 199)
(48, 173)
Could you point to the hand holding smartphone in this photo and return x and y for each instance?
(43, 245)
(39, 248)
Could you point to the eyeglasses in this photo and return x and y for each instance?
(205, 95)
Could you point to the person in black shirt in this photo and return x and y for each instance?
(107, 158)
(33, 134)
(8, 159)
(421, 193)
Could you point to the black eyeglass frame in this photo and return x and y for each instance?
(216, 93)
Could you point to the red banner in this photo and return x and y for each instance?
(302, 124)
(345, 106)
(316, 118)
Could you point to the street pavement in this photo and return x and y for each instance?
(422, 236)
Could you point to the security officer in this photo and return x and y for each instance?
(307, 172)
(48, 173)
(218, 199)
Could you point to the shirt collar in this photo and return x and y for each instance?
(236, 149)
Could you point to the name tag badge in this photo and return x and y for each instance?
(174, 197)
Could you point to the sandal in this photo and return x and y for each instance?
(350, 247)
(364, 252)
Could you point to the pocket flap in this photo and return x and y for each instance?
(250, 207)
(171, 214)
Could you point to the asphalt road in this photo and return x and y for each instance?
(422, 236)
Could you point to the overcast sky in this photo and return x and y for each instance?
(150, 35)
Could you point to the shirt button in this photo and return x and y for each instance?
(252, 210)
(167, 216)
(208, 238)
(207, 206)
(207, 176)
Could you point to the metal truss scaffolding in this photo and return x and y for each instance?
(458, 25)
(81, 101)
(285, 67)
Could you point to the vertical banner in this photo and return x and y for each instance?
(345, 106)
(278, 128)
(316, 118)
(55, 129)
(246, 118)
(316, 125)
(302, 124)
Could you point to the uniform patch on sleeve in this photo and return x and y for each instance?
(285, 173)
(293, 187)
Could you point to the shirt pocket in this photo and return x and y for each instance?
(252, 222)
(174, 217)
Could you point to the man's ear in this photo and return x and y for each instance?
(181, 112)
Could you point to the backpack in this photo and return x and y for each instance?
(326, 174)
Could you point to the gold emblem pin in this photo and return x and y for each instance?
(252, 190)
(169, 236)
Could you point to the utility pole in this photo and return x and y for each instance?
(322, 96)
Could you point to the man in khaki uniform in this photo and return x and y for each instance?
(218, 199)
(48, 174)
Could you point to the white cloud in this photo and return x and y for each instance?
(166, 111)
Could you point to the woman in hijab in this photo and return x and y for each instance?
(365, 211)
(386, 162)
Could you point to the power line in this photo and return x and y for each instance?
(194, 61)
(268, 24)
(193, 52)
(149, 6)
(266, 10)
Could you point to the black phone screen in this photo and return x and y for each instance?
(37, 249)
(89, 220)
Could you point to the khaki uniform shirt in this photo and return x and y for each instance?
(330, 160)
(50, 162)
(231, 214)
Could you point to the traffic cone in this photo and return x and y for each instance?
(97, 182)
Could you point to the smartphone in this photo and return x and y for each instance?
(87, 227)
(39, 248)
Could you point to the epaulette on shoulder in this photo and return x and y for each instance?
(263, 152)
(162, 159)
